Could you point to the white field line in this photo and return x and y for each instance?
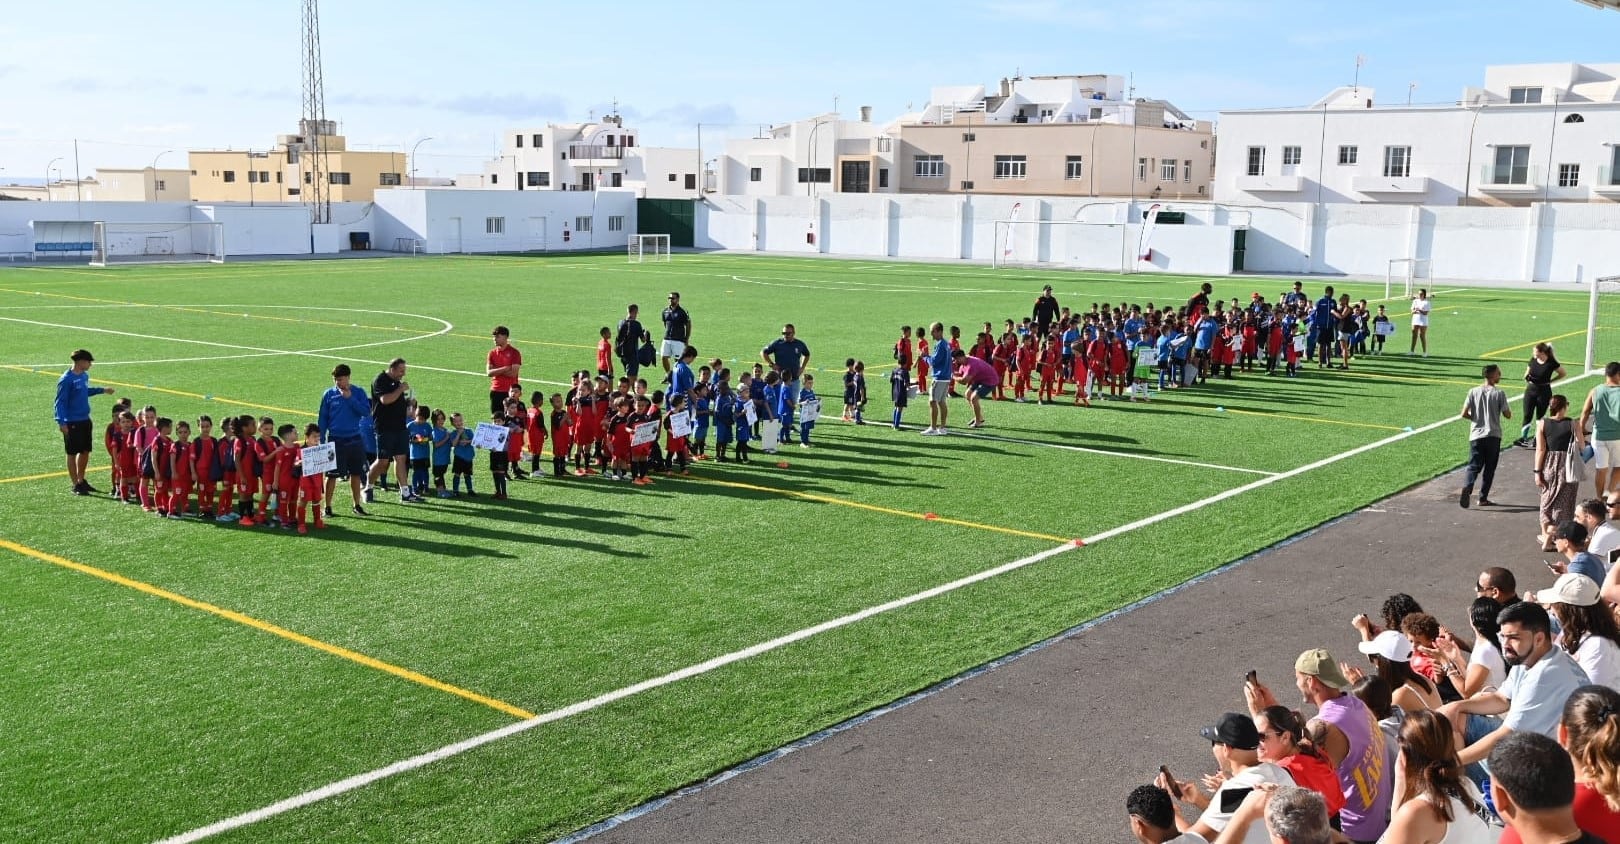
(421, 760)
(974, 434)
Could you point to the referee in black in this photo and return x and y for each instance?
(1046, 310)
(390, 396)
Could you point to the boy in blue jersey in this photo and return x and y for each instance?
(702, 412)
(807, 393)
(1203, 342)
(462, 454)
(860, 392)
(744, 430)
(725, 414)
(442, 449)
(1319, 344)
(780, 400)
(1164, 347)
(899, 391)
(419, 435)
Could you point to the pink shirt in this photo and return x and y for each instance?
(976, 373)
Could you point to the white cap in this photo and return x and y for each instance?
(1577, 590)
(1390, 644)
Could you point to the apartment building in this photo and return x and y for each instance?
(1530, 133)
(588, 156)
(282, 172)
(821, 154)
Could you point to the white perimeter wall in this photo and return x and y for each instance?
(263, 229)
(1556, 242)
(452, 221)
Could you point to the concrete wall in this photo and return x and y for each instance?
(262, 229)
(457, 221)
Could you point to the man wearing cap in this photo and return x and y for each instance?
(1569, 538)
(73, 392)
(1540, 679)
(677, 332)
(1046, 310)
(1236, 744)
(789, 357)
(502, 367)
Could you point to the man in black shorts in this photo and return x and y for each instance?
(73, 392)
(627, 342)
(343, 405)
(677, 332)
(389, 407)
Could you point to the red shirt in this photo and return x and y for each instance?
(183, 456)
(503, 356)
(285, 479)
(604, 355)
(902, 352)
(1026, 360)
(1592, 814)
(204, 451)
(1316, 775)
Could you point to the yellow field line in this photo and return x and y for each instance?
(842, 502)
(300, 413)
(1532, 343)
(267, 627)
(43, 476)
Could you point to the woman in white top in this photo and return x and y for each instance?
(1433, 803)
(1391, 655)
(1590, 633)
(1420, 321)
(1481, 670)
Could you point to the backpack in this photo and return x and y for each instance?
(216, 467)
(646, 355)
(227, 458)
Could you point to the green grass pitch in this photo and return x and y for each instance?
(132, 717)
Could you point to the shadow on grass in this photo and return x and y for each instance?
(477, 531)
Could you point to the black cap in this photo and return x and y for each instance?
(500, 331)
(83, 354)
(674, 295)
(1234, 730)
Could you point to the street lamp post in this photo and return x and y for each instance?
(413, 159)
(48, 177)
(155, 171)
(1468, 166)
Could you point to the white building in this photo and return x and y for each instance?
(1532, 133)
(1075, 98)
(800, 158)
(588, 156)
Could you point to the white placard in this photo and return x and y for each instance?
(680, 424)
(810, 411)
(751, 411)
(770, 435)
(490, 436)
(1299, 343)
(644, 433)
(319, 459)
(1384, 329)
(1147, 356)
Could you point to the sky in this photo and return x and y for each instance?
(132, 80)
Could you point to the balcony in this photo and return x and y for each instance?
(1608, 181)
(1390, 184)
(591, 155)
(1271, 184)
(1509, 180)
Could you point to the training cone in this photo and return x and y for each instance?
(930, 516)
(1407, 429)
(782, 465)
(208, 397)
(1080, 543)
(1220, 410)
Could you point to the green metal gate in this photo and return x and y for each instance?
(667, 216)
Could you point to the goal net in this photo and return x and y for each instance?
(649, 247)
(157, 243)
(1603, 323)
(1405, 276)
(1071, 244)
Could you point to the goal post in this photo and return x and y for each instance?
(157, 243)
(1603, 323)
(1404, 275)
(1073, 244)
(648, 247)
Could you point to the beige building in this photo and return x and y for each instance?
(147, 184)
(281, 173)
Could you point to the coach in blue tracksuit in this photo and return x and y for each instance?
(73, 392)
(343, 405)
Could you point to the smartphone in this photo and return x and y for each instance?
(1549, 565)
(1170, 782)
(1252, 678)
(1232, 798)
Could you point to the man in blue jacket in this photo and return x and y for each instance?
(73, 392)
(343, 405)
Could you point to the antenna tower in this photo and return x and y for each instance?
(314, 126)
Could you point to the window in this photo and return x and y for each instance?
(609, 141)
(159, 184)
(1096, 114)
(883, 177)
(494, 178)
(969, 137)
(1348, 155)
(1574, 118)
(582, 224)
(253, 176)
(673, 177)
(756, 174)
(1141, 169)
(1074, 166)
(1167, 169)
(1569, 175)
(338, 178)
(929, 166)
(616, 180)
(230, 175)
(616, 223)
(821, 175)
(1257, 161)
(629, 140)
(1512, 166)
(1397, 162)
(1524, 95)
(278, 177)
(495, 225)
(264, 176)
(538, 178)
(292, 191)
(1186, 171)
(538, 141)
(1291, 156)
(966, 185)
(1614, 165)
(388, 179)
(519, 145)
(1011, 167)
(691, 180)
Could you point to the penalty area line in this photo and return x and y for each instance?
(358, 781)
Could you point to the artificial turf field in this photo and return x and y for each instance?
(163, 676)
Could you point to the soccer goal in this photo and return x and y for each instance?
(1405, 276)
(157, 243)
(649, 247)
(1073, 244)
(1603, 323)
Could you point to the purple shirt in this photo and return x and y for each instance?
(1365, 775)
(976, 373)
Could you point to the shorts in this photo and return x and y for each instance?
(419, 464)
(1347, 336)
(392, 444)
(1607, 454)
(672, 348)
(351, 458)
(76, 439)
(939, 391)
(497, 401)
(461, 466)
(980, 391)
(1420, 322)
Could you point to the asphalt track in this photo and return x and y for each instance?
(1045, 747)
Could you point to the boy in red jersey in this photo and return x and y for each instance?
(205, 465)
(1082, 366)
(248, 468)
(922, 359)
(534, 431)
(162, 466)
(128, 465)
(1001, 357)
(182, 469)
(1118, 368)
(113, 439)
(639, 454)
(227, 463)
(604, 353)
(311, 487)
(286, 460)
(1026, 368)
(619, 438)
(1051, 359)
(265, 446)
(516, 417)
(902, 349)
(562, 435)
(1097, 363)
(142, 439)
(586, 428)
(677, 449)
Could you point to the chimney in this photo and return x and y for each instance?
(1006, 87)
(866, 114)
